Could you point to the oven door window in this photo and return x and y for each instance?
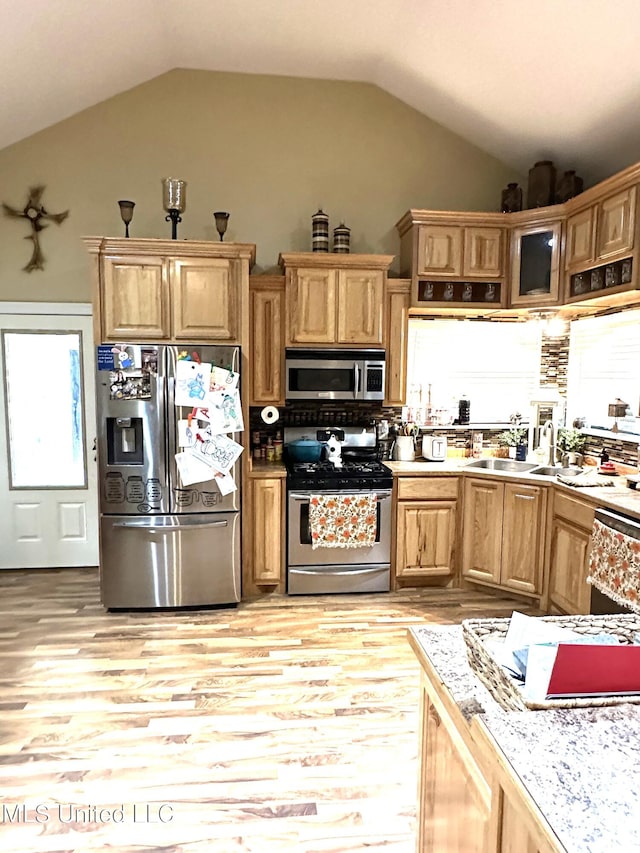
(338, 380)
(304, 534)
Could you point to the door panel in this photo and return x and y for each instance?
(48, 482)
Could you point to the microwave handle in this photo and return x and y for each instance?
(356, 380)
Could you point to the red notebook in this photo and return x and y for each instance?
(594, 670)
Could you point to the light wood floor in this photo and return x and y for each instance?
(287, 725)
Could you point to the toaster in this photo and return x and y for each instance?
(434, 448)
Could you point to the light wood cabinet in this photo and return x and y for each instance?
(267, 320)
(616, 225)
(470, 799)
(571, 526)
(439, 250)
(360, 306)
(159, 290)
(267, 506)
(503, 534)
(335, 299)
(204, 298)
(455, 798)
(398, 300)
(456, 260)
(483, 252)
(425, 533)
(535, 264)
(581, 238)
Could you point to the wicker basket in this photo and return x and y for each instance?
(507, 691)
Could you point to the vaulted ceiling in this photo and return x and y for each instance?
(523, 79)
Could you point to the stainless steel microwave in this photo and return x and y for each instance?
(333, 374)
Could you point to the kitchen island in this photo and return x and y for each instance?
(522, 782)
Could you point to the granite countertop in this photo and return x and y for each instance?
(580, 766)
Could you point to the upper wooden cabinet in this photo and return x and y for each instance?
(335, 298)
(455, 260)
(160, 290)
(582, 254)
(266, 322)
(398, 300)
(535, 263)
(602, 231)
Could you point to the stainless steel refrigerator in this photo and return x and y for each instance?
(162, 544)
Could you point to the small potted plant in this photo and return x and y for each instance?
(571, 442)
(514, 440)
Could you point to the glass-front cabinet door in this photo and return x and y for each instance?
(535, 264)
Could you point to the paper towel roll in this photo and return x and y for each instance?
(270, 415)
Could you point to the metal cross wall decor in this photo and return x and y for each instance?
(35, 213)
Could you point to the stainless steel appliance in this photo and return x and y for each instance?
(332, 374)
(338, 570)
(162, 544)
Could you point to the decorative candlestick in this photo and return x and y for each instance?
(174, 202)
(126, 212)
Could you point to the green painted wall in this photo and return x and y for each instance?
(270, 150)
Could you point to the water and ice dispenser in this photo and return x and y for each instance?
(125, 441)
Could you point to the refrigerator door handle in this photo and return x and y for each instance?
(167, 527)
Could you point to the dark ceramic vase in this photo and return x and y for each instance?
(542, 184)
(511, 199)
(569, 186)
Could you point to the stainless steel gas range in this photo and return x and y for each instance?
(338, 570)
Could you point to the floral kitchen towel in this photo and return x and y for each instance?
(342, 521)
(614, 565)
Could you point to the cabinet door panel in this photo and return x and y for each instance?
(425, 538)
(580, 238)
(204, 300)
(397, 314)
(360, 295)
(267, 531)
(135, 304)
(522, 537)
(267, 347)
(482, 537)
(455, 801)
(616, 224)
(483, 252)
(568, 587)
(535, 265)
(440, 250)
(312, 307)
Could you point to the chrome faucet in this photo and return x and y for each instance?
(549, 433)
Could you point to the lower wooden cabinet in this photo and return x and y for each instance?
(425, 527)
(470, 800)
(503, 534)
(267, 502)
(455, 798)
(569, 591)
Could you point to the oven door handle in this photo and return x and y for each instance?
(381, 496)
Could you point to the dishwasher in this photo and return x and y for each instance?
(614, 563)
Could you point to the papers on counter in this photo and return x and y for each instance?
(555, 662)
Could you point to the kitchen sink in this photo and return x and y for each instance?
(553, 470)
(494, 464)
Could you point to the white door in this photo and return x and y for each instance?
(48, 476)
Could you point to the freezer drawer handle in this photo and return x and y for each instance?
(169, 528)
